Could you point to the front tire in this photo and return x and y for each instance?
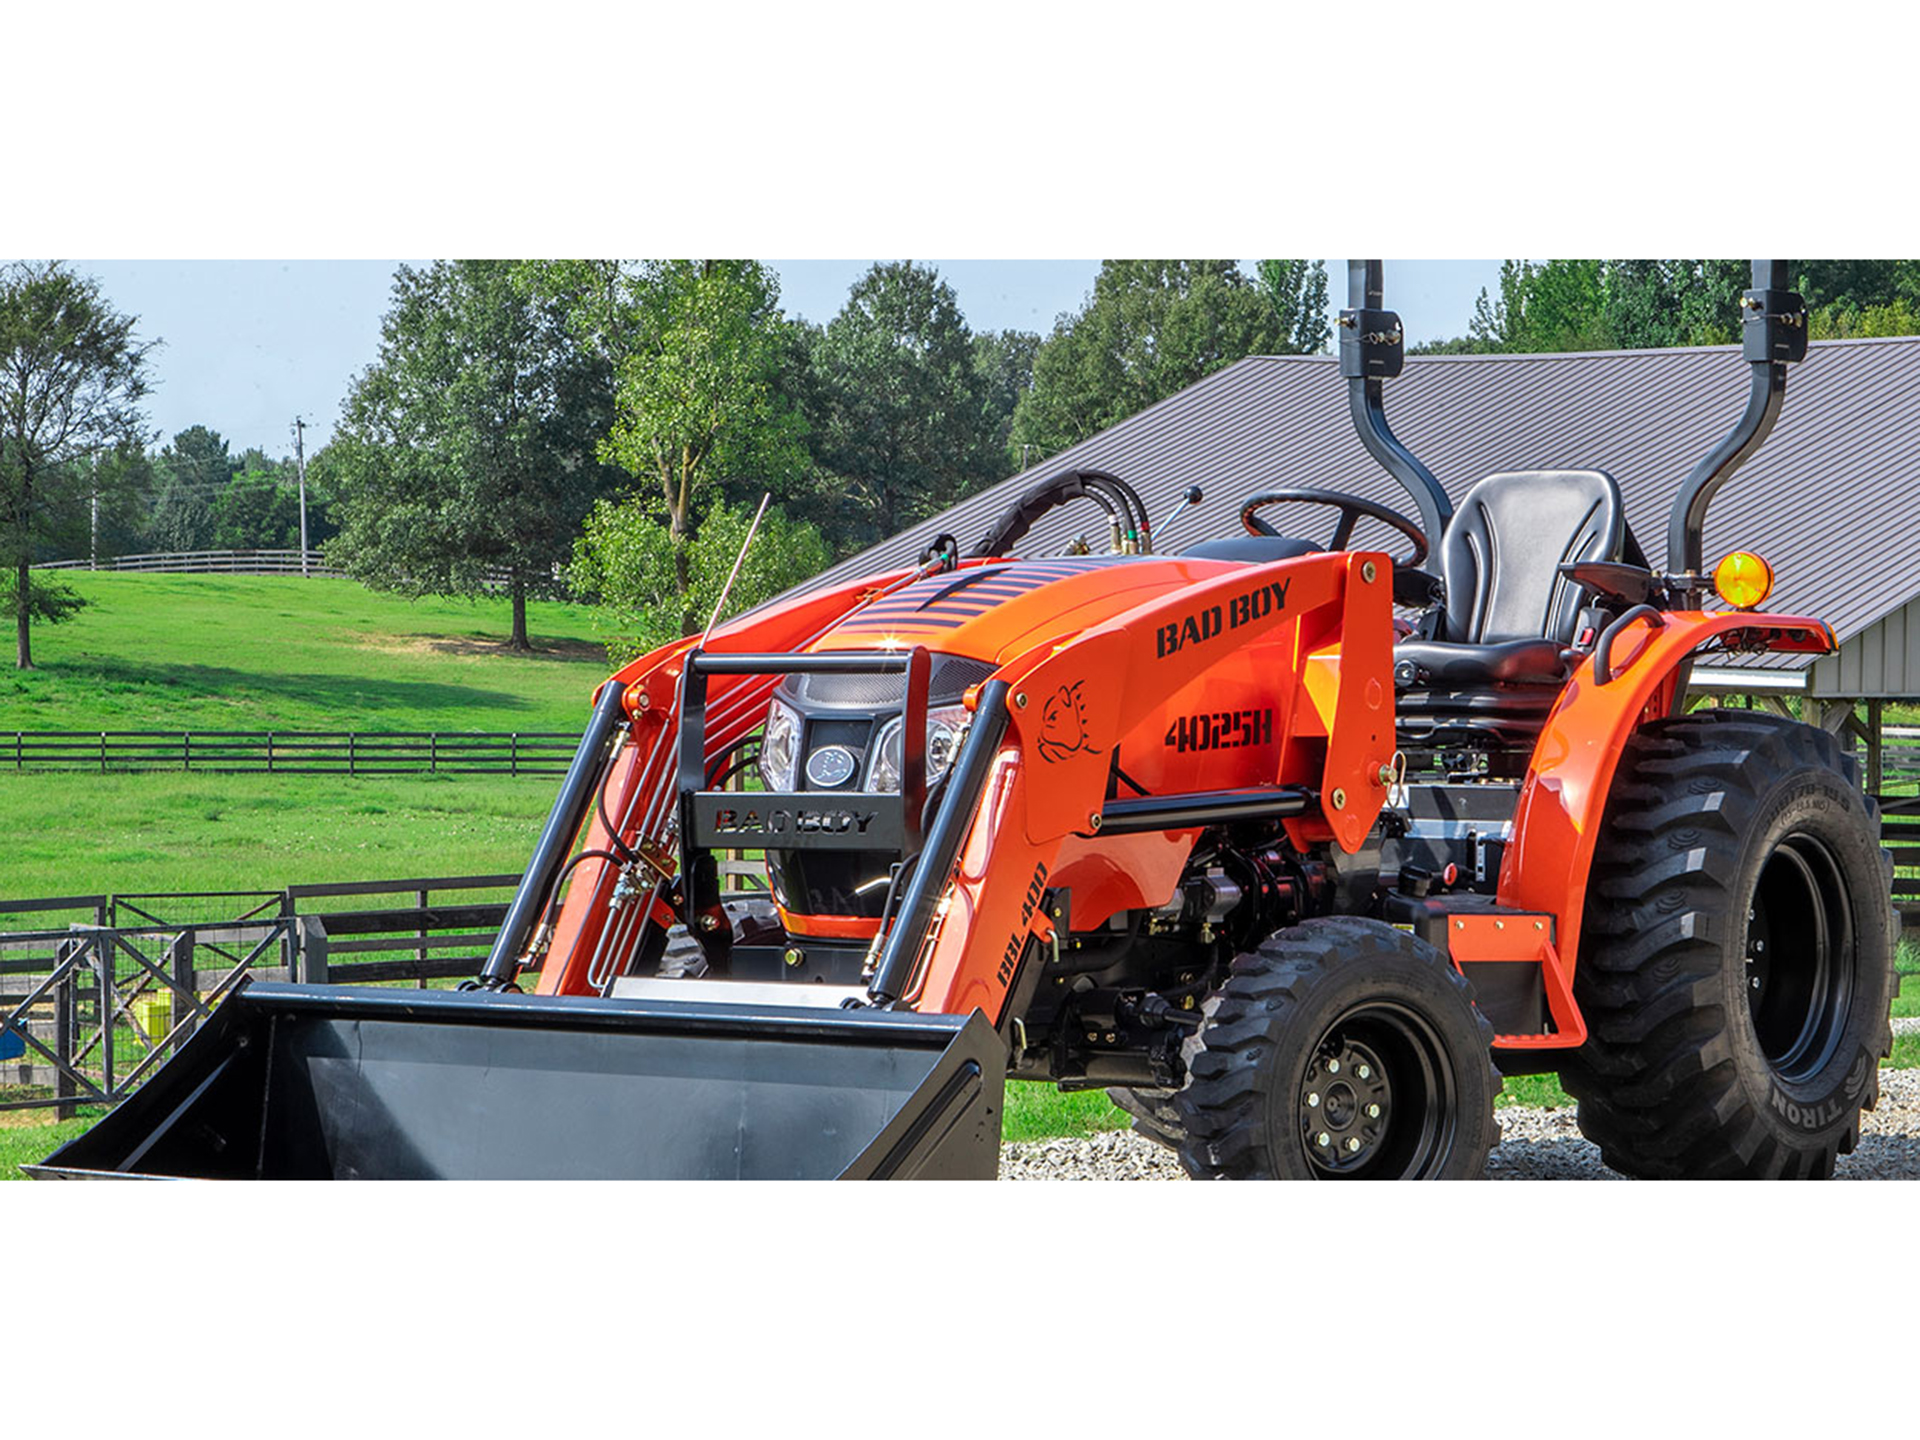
(1341, 1049)
(1736, 965)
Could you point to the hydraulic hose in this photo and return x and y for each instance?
(556, 840)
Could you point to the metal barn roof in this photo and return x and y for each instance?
(1827, 499)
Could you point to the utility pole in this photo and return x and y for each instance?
(300, 461)
(94, 550)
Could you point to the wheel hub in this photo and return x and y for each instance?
(1798, 931)
(1346, 1105)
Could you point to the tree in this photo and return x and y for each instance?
(465, 455)
(695, 348)
(182, 519)
(1639, 304)
(624, 562)
(907, 416)
(259, 510)
(72, 376)
(1004, 363)
(1150, 328)
(198, 458)
(190, 475)
(1297, 290)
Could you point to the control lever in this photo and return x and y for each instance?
(1192, 495)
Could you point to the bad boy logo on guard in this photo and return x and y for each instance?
(1204, 625)
(830, 766)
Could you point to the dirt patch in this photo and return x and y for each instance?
(475, 646)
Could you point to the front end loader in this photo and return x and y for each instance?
(1294, 848)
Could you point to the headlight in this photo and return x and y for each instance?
(946, 728)
(779, 747)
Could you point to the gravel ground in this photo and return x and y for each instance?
(1536, 1145)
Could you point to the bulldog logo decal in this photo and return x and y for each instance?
(1063, 724)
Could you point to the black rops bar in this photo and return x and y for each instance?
(1773, 335)
(701, 907)
(556, 841)
(1218, 807)
(1371, 349)
(965, 784)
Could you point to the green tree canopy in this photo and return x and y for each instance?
(1150, 328)
(624, 564)
(465, 454)
(258, 510)
(695, 348)
(198, 457)
(72, 375)
(1297, 290)
(910, 412)
(1568, 305)
(182, 518)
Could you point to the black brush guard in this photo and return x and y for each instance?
(308, 1082)
(303, 1082)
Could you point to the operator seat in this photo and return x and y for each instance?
(1494, 659)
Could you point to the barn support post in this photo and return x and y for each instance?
(1876, 771)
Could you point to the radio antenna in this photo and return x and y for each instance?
(733, 574)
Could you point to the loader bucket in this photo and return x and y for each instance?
(304, 1082)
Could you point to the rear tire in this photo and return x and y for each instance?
(1341, 1048)
(1736, 961)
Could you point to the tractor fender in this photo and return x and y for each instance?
(1564, 797)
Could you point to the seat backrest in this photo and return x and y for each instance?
(1501, 553)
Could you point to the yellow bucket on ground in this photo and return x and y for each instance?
(154, 1015)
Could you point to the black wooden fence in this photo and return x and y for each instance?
(291, 752)
(98, 990)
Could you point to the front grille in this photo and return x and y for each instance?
(952, 676)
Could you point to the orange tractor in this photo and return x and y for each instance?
(1295, 879)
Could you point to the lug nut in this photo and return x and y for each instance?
(1373, 1112)
(1325, 1140)
(1353, 1144)
(1333, 1067)
(1363, 1071)
(1313, 1099)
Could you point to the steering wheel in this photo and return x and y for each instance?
(1351, 507)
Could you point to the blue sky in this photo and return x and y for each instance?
(251, 343)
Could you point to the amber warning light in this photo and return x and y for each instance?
(1743, 580)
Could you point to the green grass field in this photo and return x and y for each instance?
(198, 652)
(129, 834)
(259, 652)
